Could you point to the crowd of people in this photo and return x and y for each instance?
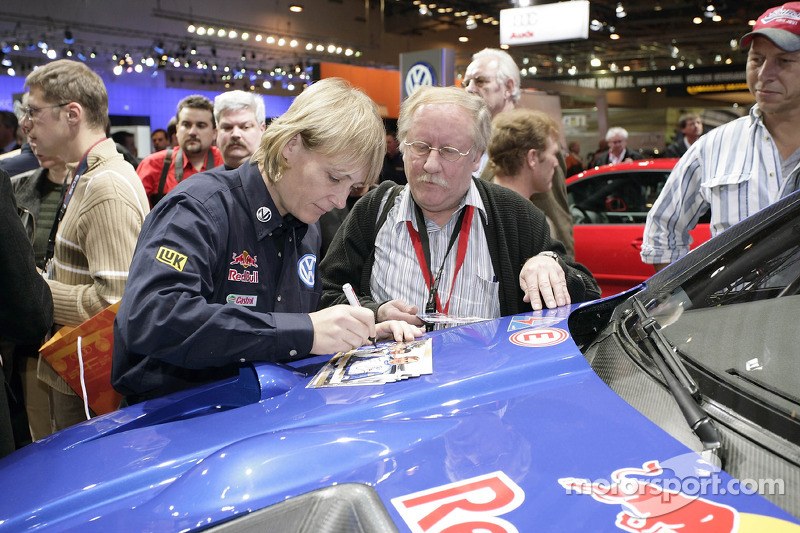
(233, 240)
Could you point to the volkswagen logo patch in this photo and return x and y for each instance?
(264, 214)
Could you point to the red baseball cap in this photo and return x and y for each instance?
(781, 25)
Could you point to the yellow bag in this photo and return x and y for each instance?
(82, 356)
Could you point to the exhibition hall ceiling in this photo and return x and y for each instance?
(175, 36)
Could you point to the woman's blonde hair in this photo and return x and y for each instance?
(333, 119)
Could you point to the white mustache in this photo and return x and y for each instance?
(436, 180)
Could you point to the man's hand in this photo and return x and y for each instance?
(398, 330)
(399, 310)
(543, 275)
(341, 328)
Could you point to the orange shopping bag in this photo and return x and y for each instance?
(92, 370)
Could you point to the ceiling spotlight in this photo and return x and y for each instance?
(595, 25)
(463, 39)
(471, 24)
(621, 11)
(296, 8)
(595, 62)
(68, 38)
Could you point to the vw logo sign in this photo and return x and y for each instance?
(420, 74)
(264, 214)
(306, 268)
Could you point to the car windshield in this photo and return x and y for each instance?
(737, 317)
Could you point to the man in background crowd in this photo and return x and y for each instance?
(573, 159)
(241, 119)
(393, 161)
(162, 171)
(159, 139)
(100, 217)
(745, 165)
(618, 152)
(8, 132)
(493, 75)
(691, 129)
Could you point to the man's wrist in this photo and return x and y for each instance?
(548, 253)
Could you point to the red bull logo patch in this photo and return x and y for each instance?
(245, 259)
(474, 504)
(244, 277)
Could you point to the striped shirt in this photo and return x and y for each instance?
(397, 273)
(734, 170)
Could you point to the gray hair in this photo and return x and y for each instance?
(475, 105)
(506, 68)
(613, 132)
(235, 100)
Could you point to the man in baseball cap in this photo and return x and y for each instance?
(745, 165)
(781, 25)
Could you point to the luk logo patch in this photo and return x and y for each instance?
(306, 267)
(172, 258)
(242, 299)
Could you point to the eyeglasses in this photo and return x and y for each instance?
(448, 153)
(479, 81)
(29, 112)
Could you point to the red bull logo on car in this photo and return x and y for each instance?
(474, 504)
(649, 507)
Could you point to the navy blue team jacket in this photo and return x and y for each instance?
(218, 278)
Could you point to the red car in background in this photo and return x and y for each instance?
(609, 206)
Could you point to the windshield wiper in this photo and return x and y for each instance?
(678, 380)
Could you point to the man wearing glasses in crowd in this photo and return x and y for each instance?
(448, 242)
(100, 215)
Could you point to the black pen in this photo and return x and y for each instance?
(351, 298)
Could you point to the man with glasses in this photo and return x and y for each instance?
(448, 243)
(493, 75)
(100, 212)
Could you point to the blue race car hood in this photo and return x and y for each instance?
(512, 408)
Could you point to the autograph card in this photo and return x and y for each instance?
(370, 365)
(445, 320)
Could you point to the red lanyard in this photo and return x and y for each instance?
(422, 249)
